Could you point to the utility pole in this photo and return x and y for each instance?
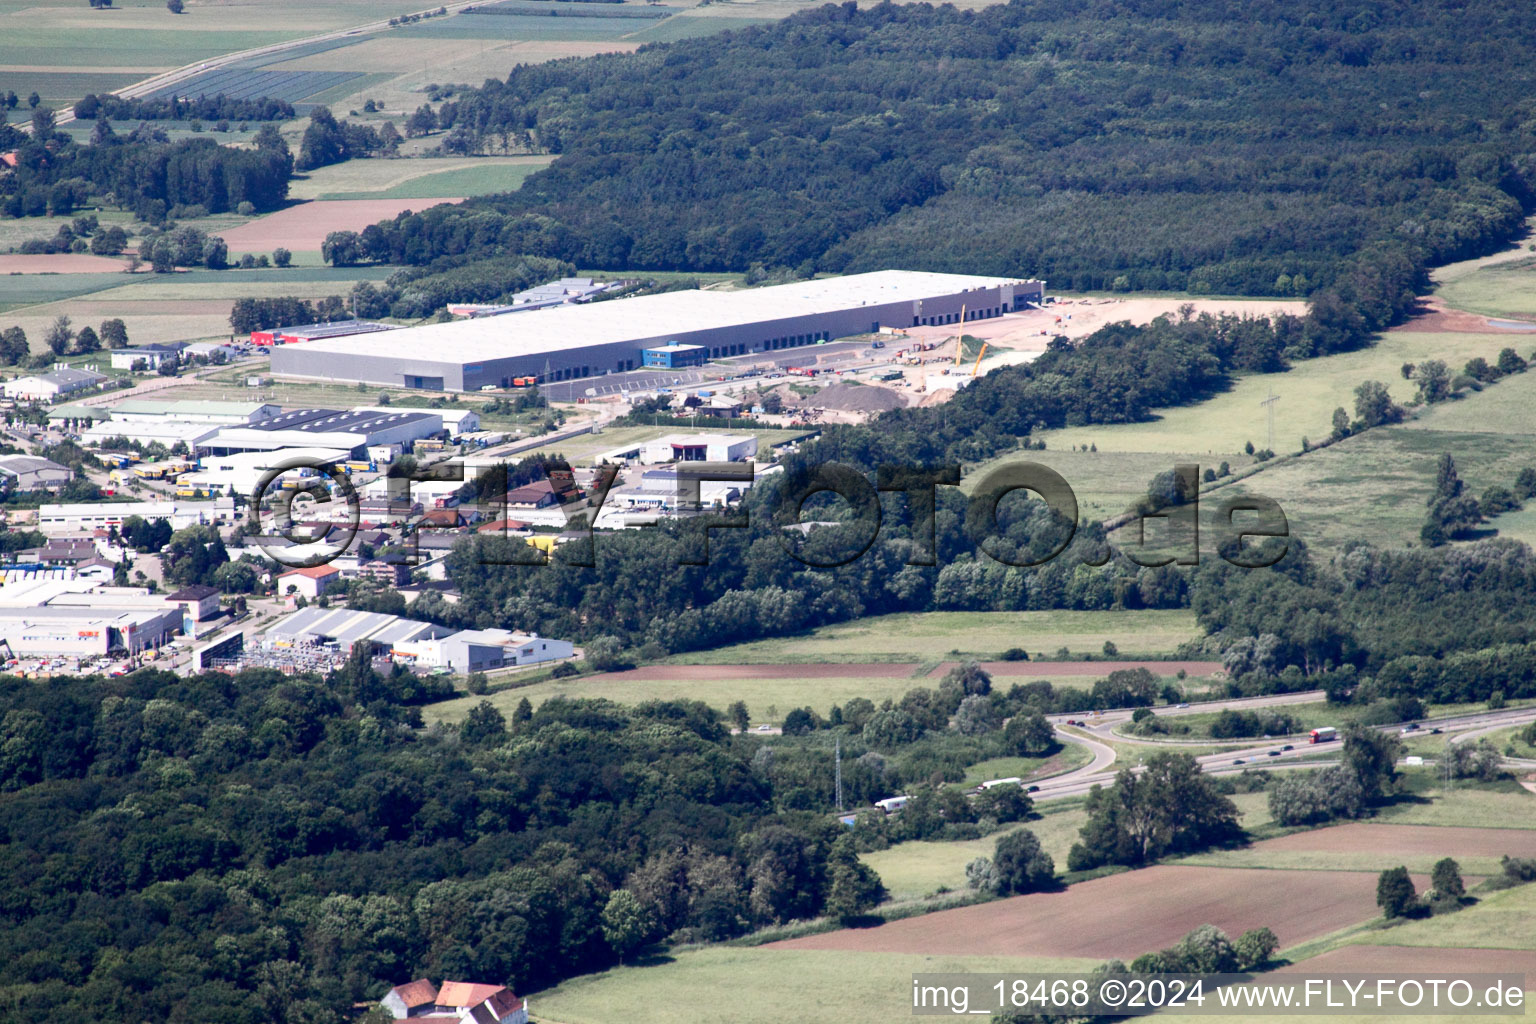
(1269, 403)
(839, 756)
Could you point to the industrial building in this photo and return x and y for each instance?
(345, 627)
(314, 332)
(685, 448)
(352, 432)
(32, 473)
(573, 341)
(50, 387)
(479, 650)
(147, 357)
(82, 518)
(242, 472)
(148, 410)
(81, 619)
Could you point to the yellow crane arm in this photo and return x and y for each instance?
(960, 338)
(979, 356)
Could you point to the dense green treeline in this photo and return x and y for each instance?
(260, 848)
(55, 175)
(1203, 145)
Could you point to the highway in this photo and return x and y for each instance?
(1303, 754)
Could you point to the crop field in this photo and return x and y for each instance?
(30, 289)
(1151, 908)
(304, 226)
(1505, 807)
(60, 88)
(575, 27)
(159, 324)
(1368, 846)
(250, 83)
(923, 636)
(60, 263)
(682, 26)
(489, 176)
(1500, 920)
(1502, 289)
(1308, 394)
(390, 179)
(918, 869)
(1106, 483)
(1428, 961)
(1374, 486)
(760, 985)
(769, 698)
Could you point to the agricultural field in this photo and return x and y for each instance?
(982, 635)
(1126, 914)
(1380, 480)
(1501, 288)
(1503, 806)
(1106, 483)
(757, 985)
(303, 226)
(919, 869)
(1374, 847)
(416, 179)
(1308, 394)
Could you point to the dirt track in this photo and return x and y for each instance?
(303, 226)
(1127, 915)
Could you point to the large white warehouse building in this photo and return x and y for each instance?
(573, 341)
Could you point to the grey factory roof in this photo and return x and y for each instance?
(347, 627)
(66, 375)
(325, 421)
(569, 326)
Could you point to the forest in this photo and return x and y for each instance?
(55, 175)
(1200, 146)
(260, 848)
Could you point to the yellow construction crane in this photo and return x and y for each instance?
(977, 368)
(960, 338)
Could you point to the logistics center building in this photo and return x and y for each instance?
(573, 341)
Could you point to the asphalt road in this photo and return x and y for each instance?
(1101, 770)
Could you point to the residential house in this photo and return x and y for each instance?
(310, 582)
(420, 1000)
(538, 494)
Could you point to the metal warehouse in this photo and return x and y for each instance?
(574, 341)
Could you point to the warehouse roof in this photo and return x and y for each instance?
(184, 408)
(346, 626)
(569, 326)
(325, 421)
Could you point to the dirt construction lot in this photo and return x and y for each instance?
(303, 226)
(1127, 915)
